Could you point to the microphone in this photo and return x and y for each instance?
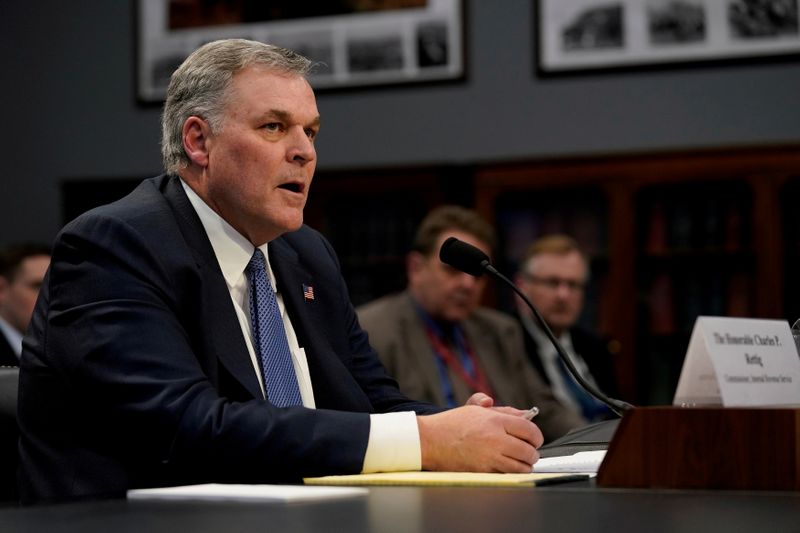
(467, 258)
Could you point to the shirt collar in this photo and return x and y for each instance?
(13, 336)
(232, 249)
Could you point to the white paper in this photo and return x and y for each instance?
(584, 462)
(256, 493)
(740, 362)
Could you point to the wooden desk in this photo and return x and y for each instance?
(578, 507)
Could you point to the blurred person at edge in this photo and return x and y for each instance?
(22, 269)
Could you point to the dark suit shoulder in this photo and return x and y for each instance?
(309, 247)
(307, 243)
(305, 237)
(152, 236)
(144, 208)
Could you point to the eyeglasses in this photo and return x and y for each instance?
(555, 283)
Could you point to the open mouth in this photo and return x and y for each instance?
(292, 187)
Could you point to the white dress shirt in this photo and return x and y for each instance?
(13, 336)
(394, 437)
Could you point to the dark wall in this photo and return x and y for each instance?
(70, 110)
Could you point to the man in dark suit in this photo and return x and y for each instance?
(439, 342)
(153, 358)
(22, 269)
(553, 274)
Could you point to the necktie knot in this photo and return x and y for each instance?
(257, 263)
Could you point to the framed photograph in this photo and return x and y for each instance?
(581, 35)
(353, 43)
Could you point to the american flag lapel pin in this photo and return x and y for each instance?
(308, 292)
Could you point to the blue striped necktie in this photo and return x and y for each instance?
(269, 337)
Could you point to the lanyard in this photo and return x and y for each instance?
(465, 365)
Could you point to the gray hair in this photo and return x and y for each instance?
(199, 87)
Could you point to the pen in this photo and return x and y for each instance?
(558, 479)
(530, 413)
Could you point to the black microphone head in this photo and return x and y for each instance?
(463, 256)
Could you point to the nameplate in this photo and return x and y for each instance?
(739, 362)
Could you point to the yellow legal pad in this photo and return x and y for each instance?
(451, 479)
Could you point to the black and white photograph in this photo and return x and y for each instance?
(432, 44)
(379, 53)
(315, 45)
(588, 35)
(352, 43)
(676, 22)
(595, 28)
(756, 19)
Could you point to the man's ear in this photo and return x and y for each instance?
(195, 134)
(4, 284)
(414, 263)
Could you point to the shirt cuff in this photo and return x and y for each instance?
(393, 443)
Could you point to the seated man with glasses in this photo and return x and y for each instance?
(553, 274)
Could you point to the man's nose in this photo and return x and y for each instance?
(564, 290)
(468, 280)
(301, 149)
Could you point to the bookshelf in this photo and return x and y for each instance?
(695, 257)
(673, 236)
(370, 217)
(522, 217)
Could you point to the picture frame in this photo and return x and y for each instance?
(576, 36)
(388, 42)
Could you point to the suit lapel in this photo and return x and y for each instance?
(290, 278)
(306, 315)
(333, 383)
(420, 351)
(218, 317)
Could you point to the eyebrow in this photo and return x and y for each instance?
(287, 117)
